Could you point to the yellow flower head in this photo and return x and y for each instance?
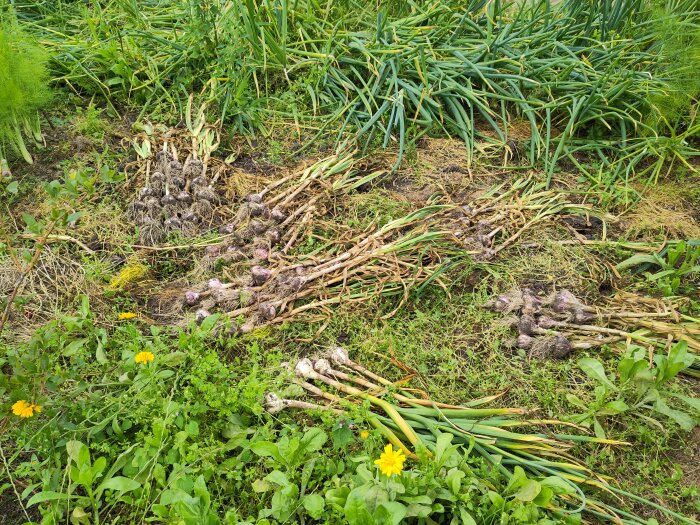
(144, 357)
(24, 409)
(126, 315)
(364, 434)
(391, 461)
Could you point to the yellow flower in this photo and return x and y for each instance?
(24, 409)
(364, 434)
(127, 315)
(144, 357)
(391, 461)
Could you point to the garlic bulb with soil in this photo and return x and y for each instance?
(178, 198)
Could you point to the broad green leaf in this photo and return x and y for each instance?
(278, 478)
(173, 358)
(355, 508)
(48, 495)
(267, 449)
(465, 517)
(518, 479)
(528, 491)
(390, 513)
(571, 398)
(684, 420)
(375, 496)
(693, 402)
(598, 429)
(629, 367)
(260, 485)
(78, 452)
(544, 498)
(341, 434)
(313, 440)
(120, 484)
(594, 369)
(79, 517)
(337, 497)
(454, 480)
(314, 505)
(74, 347)
(669, 366)
(558, 485)
(98, 466)
(636, 260)
(613, 408)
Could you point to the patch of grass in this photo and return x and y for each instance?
(88, 122)
(396, 72)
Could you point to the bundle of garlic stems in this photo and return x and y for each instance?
(407, 253)
(499, 217)
(413, 423)
(567, 323)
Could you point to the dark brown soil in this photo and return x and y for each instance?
(687, 456)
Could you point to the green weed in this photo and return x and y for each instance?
(23, 90)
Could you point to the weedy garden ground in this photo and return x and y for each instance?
(225, 191)
(193, 413)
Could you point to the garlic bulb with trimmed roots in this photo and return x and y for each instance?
(260, 274)
(564, 301)
(322, 366)
(524, 341)
(257, 210)
(200, 182)
(200, 315)
(261, 254)
(267, 311)
(258, 227)
(273, 235)
(191, 297)
(278, 214)
(247, 327)
(546, 322)
(273, 403)
(248, 297)
(339, 355)
(304, 368)
(254, 198)
(185, 197)
(227, 228)
(192, 168)
(168, 200)
(581, 316)
(502, 303)
(527, 325)
(213, 284)
(556, 346)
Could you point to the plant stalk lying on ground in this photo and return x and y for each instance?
(483, 431)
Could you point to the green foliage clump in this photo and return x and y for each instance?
(677, 48)
(24, 86)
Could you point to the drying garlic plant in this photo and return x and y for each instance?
(498, 436)
(554, 325)
(262, 283)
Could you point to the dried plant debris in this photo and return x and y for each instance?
(554, 325)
